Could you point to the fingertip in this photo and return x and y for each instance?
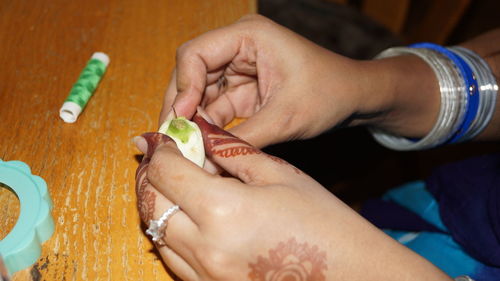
(185, 104)
(141, 144)
(154, 140)
(190, 85)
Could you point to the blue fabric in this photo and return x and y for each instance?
(415, 198)
(462, 201)
(440, 249)
(389, 214)
(468, 193)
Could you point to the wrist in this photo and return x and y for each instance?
(400, 95)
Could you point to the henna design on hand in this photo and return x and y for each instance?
(145, 202)
(224, 144)
(284, 162)
(290, 261)
(231, 146)
(146, 198)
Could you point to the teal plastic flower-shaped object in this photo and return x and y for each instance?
(22, 246)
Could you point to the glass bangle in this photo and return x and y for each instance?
(450, 116)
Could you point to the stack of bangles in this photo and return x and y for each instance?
(468, 96)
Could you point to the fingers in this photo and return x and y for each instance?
(200, 62)
(180, 180)
(243, 160)
(239, 100)
(179, 231)
(221, 111)
(247, 130)
(210, 94)
(177, 264)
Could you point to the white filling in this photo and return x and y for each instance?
(193, 149)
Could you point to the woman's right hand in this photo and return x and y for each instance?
(285, 86)
(263, 220)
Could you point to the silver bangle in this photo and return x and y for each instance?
(487, 88)
(453, 102)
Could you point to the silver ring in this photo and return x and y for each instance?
(157, 227)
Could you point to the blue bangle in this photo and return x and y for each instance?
(472, 88)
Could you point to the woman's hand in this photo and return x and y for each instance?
(286, 86)
(266, 220)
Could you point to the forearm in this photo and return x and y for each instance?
(359, 251)
(411, 100)
(405, 95)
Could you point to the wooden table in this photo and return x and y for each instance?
(89, 165)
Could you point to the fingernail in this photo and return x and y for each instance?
(140, 143)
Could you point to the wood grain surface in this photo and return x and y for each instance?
(89, 166)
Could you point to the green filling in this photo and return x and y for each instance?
(181, 129)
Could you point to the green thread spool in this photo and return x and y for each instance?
(84, 87)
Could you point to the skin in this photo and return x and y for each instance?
(302, 90)
(262, 218)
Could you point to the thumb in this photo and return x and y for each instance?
(240, 159)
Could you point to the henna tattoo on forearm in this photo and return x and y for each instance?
(290, 261)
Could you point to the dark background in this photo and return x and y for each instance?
(348, 161)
